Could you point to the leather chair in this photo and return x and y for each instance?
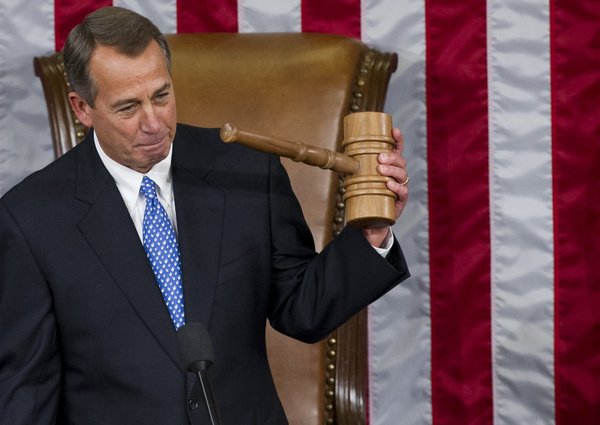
(294, 86)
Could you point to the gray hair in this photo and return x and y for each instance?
(124, 29)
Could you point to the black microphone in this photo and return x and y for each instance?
(196, 350)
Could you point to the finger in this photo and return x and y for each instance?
(392, 158)
(399, 138)
(400, 190)
(398, 174)
(392, 164)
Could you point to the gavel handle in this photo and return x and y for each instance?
(296, 151)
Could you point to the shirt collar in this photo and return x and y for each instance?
(128, 181)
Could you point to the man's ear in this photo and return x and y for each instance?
(81, 109)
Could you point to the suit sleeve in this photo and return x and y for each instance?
(314, 294)
(29, 362)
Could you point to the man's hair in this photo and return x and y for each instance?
(127, 31)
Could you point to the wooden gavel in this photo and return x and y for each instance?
(368, 202)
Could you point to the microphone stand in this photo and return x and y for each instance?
(207, 391)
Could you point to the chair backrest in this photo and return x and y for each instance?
(294, 86)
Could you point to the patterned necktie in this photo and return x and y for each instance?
(160, 244)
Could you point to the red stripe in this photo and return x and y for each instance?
(457, 126)
(575, 76)
(207, 16)
(68, 13)
(340, 17)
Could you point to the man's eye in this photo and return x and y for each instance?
(126, 109)
(161, 97)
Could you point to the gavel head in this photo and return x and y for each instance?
(368, 202)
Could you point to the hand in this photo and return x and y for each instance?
(391, 164)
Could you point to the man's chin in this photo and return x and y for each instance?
(145, 162)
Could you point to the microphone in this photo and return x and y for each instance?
(196, 350)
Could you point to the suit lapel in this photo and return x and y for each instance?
(200, 212)
(111, 233)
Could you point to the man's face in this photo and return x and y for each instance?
(134, 114)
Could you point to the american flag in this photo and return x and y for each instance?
(499, 102)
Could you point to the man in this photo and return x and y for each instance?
(88, 313)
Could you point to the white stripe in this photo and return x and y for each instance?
(26, 30)
(521, 211)
(399, 325)
(269, 16)
(162, 13)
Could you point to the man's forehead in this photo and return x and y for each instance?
(109, 66)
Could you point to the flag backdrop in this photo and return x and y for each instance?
(500, 105)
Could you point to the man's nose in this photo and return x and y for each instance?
(150, 122)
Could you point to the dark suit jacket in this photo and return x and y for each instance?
(85, 337)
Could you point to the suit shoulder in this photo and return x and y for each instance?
(191, 132)
(205, 144)
(44, 183)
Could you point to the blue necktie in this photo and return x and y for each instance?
(160, 244)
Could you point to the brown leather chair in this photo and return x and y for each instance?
(293, 86)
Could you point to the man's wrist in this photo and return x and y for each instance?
(384, 248)
(377, 237)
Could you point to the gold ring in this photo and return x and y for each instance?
(405, 182)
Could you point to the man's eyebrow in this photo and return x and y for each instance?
(162, 88)
(123, 102)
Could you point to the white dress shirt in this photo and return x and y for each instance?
(128, 182)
